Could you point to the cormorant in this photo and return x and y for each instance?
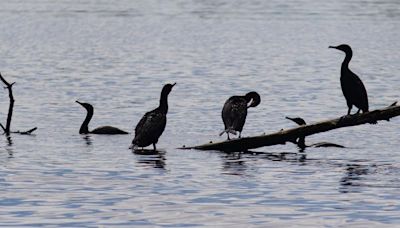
(105, 130)
(234, 112)
(301, 141)
(152, 124)
(352, 87)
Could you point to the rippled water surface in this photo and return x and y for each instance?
(117, 55)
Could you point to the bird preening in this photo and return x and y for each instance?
(152, 124)
(105, 130)
(234, 112)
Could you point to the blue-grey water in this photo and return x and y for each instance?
(117, 55)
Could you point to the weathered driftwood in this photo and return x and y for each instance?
(7, 128)
(290, 135)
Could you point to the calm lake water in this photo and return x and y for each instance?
(117, 55)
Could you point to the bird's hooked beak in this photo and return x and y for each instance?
(78, 102)
(252, 103)
(335, 47)
(173, 84)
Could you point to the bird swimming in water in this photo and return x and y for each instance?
(352, 87)
(301, 142)
(106, 130)
(234, 112)
(153, 123)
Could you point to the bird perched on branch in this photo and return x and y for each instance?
(106, 130)
(153, 123)
(352, 87)
(234, 112)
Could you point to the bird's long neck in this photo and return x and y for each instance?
(346, 61)
(85, 125)
(163, 102)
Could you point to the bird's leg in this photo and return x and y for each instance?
(228, 135)
(348, 112)
(240, 134)
(154, 147)
(358, 112)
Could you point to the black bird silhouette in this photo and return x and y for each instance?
(301, 142)
(234, 112)
(352, 87)
(153, 123)
(105, 130)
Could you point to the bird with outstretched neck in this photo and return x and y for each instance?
(301, 141)
(234, 112)
(105, 130)
(352, 87)
(153, 123)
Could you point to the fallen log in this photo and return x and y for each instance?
(290, 135)
(7, 128)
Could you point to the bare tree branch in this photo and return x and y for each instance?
(4, 129)
(11, 106)
(7, 128)
(28, 132)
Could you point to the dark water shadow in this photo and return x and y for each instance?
(237, 163)
(280, 156)
(362, 175)
(9, 140)
(353, 177)
(88, 140)
(147, 151)
(9, 146)
(233, 163)
(358, 175)
(151, 158)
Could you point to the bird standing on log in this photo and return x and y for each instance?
(352, 87)
(106, 130)
(153, 123)
(234, 112)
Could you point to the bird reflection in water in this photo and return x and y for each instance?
(353, 175)
(9, 148)
(233, 164)
(153, 158)
(281, 156)
(88, 140)
(237, 163)
(9, 140)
